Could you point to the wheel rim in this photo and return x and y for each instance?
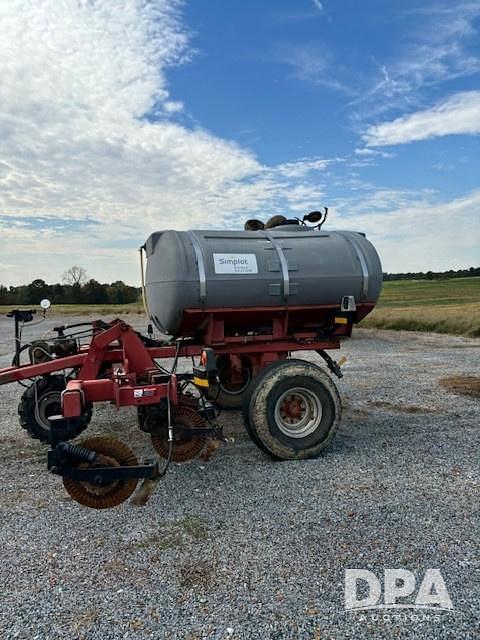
(49, 404)
(298, 412)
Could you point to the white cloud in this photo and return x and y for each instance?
(303, 166)
(314, 64)
(318, 4)
(86, 137)
(440, 46)
(173, 106)
(365, 152)
(415, 231)
(459, 114)
(372, 153)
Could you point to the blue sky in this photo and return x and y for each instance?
(289, 79)
(118, 119)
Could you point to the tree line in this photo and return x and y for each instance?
(75, 288)
(472, 272)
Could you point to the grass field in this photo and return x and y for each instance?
(98, 310)
(442, 306)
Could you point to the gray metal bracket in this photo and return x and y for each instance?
(200, 264)
(283, 263)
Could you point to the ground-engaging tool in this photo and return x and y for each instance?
(238, 303)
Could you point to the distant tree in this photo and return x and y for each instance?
(75, 275)
(13, 295)
(4, 297)
(120, 293)
(94, 293)
(35, 291)
(58, 293)
(75, 293)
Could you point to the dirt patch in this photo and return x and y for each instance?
(189, 529)
(83, 621)
(400, 408)
(197, 574)
(357, 413)
(466, 385)
(16, 449)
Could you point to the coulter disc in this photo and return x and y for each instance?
(110, 453)
(182, 449)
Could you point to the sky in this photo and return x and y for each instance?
(123, 117)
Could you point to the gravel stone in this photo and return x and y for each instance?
(246, 547)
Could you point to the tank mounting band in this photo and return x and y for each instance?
(361, 259)
(363, 264)
(283, 264)
(201, 265)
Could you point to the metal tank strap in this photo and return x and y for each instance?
(201, 265)
(362, 260)
(283, 263)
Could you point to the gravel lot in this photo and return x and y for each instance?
(244, 547)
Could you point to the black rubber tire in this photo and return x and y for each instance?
(32, 422)
(268, 387)
(223, 397)
(247, 397)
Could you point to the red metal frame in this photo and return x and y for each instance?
(132, 372)
(217, 325)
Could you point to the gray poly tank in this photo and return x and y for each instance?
(286, 266)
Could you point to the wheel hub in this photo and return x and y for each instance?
(292, 409)
(48, 405)
(298, 412)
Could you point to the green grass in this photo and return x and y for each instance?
(414, 293)
(97, 310)
(442, 306)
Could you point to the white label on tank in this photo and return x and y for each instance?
(235, 263)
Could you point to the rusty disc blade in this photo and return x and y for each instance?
(186, 448)
(110, 453)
